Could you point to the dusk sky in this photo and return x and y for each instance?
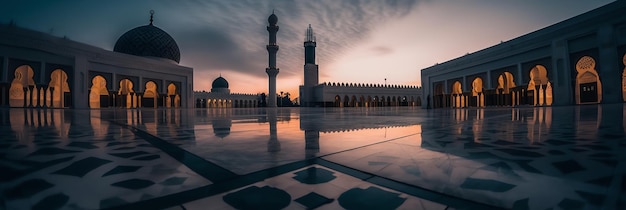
(357, 41)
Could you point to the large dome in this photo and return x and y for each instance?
(149, 41)
(220, 82)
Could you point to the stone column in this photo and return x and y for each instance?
(45, 95)
(25, 96)
(31, 88)
(51, 97)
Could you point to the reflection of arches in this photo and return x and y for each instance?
(98, 93)
(477, 92)
(60, 89)
(588, 86)
(150, 95)
(457, 92)
(624, 79)
(23, 87)
(539, 87)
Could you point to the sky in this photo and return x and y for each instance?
(358, 41)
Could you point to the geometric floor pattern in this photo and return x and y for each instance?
(314, 158)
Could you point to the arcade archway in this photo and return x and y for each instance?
(150, 95)
(477, 92)
(539, 91)
(504, 93)
(59, 89)
(173, 98)
(588, 86)
(23, 91)
(98, 93)
(457, 95)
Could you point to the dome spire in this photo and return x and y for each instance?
(151, 14)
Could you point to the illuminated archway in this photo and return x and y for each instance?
(540, 86)
(59, 89)
(477, 92)
(346, 101)
(150, 95)
(173, 99)
(98, 93)
(457, 96)
(23, 91)
(337, 101)
(624, 79)
(506, 82)
(588, 86)
(126, 93)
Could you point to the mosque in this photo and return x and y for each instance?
(220, 97)
(315, 94)
(577, 61)
(40, 70)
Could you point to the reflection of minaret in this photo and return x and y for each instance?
(311, 74)
(272, 145)
(272, 71)
(311, 143)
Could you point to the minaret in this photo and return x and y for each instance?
(272, 71)
(311, 73)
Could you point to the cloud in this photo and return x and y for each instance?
(382, 50)
(218, 35)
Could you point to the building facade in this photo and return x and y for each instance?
(40, 70)
(220, 97)
(313, 93)
(577, 61)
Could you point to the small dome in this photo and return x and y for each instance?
(149, 41)
(272, 19)
(220, 82)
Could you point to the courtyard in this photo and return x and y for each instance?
(565, 157)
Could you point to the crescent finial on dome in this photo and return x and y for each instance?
(151, 14)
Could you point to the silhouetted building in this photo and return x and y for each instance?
(220, 97)
(312, 93)
(577, 61)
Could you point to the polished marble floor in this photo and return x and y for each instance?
(314, 158)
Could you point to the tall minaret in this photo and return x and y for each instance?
(272, 71)
(311, 73)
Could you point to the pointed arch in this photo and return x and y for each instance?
(538, 87)
(59, 89)
(477, 92)
(20, 93)
(588, 85)
(98, 93)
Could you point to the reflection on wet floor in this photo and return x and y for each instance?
(521, 158)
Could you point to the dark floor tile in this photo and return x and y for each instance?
(82, 167)
(56, 201)
(121, 170)
(84, 145)
(314, 175)
(313, 200)
(134, 184)
(571, 204)
(129, 154)
(593, 198)
(568, 166)
(370, 198)
(486, 184)
(51, 151)
(254, 197)
(28, 188)
(174, 181)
